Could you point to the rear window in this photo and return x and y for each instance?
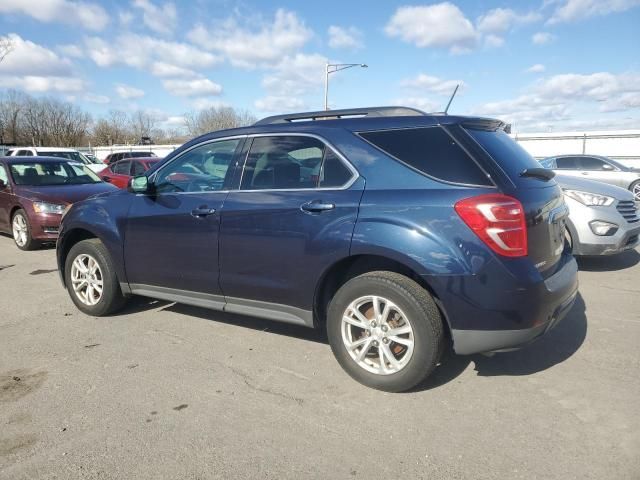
(504, 150)
(431, 151)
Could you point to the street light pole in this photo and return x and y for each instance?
(333, 68)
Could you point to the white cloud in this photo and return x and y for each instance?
(542, 38)
(296, 75)
(162, 69)
(95, 98)
(624, 102)
(70, 50)
(125, 18)
(537, 68)
(348, 38)
(198, 87)
(141, 51)
(432, 84)
(258, 44)
(127, 91)
(42, 84)
(34, 68)
(493, 41)
(279, 104)
(80, 14)
(204, 103)
(420, 103)
(573, 10)
(29, 58)
(601, 86)
(159, 19)
(440, 25)
(500, 20)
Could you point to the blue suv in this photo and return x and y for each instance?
(396, 231)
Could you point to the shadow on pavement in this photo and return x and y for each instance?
(551, 349)
(609, 263)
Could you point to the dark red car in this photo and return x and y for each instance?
(34, 193)
(116, 157)
(119, 173)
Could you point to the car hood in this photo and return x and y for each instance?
(592, 186)
(64, 194)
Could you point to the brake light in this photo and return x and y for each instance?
(499, 222)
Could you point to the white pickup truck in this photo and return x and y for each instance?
(69, 153)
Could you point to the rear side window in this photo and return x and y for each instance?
(505, 151)
(567, 163)
(431, 151)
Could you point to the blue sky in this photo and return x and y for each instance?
(543, 65)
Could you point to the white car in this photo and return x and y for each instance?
(69, 153)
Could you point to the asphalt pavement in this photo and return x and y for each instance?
(170, 391)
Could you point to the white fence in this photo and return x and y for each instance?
(622, 145)
(159, 150)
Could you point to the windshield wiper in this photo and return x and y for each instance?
(541, 173)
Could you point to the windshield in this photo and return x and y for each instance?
(52, 173)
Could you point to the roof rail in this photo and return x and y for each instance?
(344, 113)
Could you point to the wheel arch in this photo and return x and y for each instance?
(71, 238)
(350, 267)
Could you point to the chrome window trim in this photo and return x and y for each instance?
(354, 172)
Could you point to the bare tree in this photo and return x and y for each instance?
(6, 47)
(216, 118)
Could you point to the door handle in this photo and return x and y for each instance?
(317, 206)
(585, 173)
(202, 212)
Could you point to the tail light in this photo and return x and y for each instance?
(499, 222)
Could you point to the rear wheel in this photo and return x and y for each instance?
(635, 189)
(21, 230)
(91, 279)
(385, 331)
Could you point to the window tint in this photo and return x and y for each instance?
(24, 153)
(137, 169)
(592, 163)
(292, 163)
(430, 150)
(334, 172)
(122, 168)
(548, 163)
(567, 163)
(201, 169)
(52, 173)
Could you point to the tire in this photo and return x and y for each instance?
(635, 189)
(409, 304)
(21, 231)
(87, 298)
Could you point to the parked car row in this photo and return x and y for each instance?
(396, 231)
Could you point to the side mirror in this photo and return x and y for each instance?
(139, 184)
(3, 185)
(607, 167)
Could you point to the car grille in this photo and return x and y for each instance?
(628, 210)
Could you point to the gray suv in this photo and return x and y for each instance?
(603, 219)
(595, 167)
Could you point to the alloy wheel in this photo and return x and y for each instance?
(86, 279)
(20, 230)
(377, 335)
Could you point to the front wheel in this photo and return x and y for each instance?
(21, 230)
(635, 189)
(91, 279)
(385, 331)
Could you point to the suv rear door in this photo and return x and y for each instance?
(292, 217)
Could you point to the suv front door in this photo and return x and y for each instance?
(292, 217)
(171, 246)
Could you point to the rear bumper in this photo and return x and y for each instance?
(467, 342)
(496, 310)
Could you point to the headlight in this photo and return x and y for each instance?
(43, 207)
(589, 199)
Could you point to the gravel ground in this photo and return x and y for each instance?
(170, 391)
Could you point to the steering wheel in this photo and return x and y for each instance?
(201, 185)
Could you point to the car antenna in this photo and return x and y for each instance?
(455, 90)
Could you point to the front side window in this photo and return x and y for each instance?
(592, 163)
(567, 163)
(52, 173)
(291, 163)
(137, 168)
(201, 169)
(122, 167)
(431, 151)
(3, 175)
